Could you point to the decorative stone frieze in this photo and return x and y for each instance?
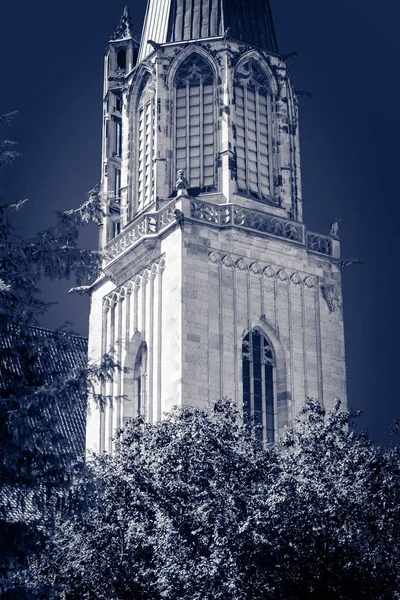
(319, 243)
(256, 268)
(232, 215)
(135, 282)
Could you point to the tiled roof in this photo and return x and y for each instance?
(48, 354)
(248, 21)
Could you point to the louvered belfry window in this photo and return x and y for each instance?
(145, 144)
(253, 105)
(195, 122)
(258, 383)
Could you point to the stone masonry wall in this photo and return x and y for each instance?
(234, 281)
(144, 307)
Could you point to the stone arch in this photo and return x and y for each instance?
(121, 57)
(228, 262)
(114, 298)
(254, 89)
(142, 78)
(269, 272)
(256, 269)
(153, 270)
(310, 282)
(145, 276)
(282, 276)
(296, 279)
(242, 265)
(106, 303)
(161, 264)
(193, 119)
(263, 64)
(214, 258)
(282, 393)
(143, 72)
(183, 55)
(132, 349)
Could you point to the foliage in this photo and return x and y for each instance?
(37, 390)
(194, 507)
(7, 154)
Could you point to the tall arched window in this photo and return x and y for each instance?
(140, 381)
(253, 99)
(121, 58)
(258, 362)
(195, 122)
(145, 123)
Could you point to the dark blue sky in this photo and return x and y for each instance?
(349, 50)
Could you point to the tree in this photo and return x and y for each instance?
(39, 389)
(194, 507)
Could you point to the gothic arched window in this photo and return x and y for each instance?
(253, 98)
(258, 362)
(140, 381)
(121, 58)
(145, 123)
(195, 122)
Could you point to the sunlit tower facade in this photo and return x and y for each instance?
(212, 286)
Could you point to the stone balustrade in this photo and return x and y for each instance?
(145, 226)
(221, 215)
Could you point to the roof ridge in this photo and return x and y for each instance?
(52, 331)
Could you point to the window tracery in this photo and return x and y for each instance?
(145, 124)
(253, 146)
(195, 122)
(258, 363)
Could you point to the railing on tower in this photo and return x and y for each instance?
(146, 225)
(221, 216)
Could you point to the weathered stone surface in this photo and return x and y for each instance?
(190, 275)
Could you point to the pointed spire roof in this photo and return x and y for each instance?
(248, 21)
(125, 28)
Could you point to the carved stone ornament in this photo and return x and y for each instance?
(182, 184)
(193, 70)
(249, 74)
(331, 296)
(335, 226)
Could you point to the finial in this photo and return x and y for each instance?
(125, 29)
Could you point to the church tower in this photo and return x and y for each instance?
(212, 286)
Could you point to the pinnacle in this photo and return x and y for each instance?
(125, 28)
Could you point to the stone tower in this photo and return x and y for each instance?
(212, 286)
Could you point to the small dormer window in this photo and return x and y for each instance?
(121, 59)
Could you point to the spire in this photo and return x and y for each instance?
(125, 29)
(180, 20)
